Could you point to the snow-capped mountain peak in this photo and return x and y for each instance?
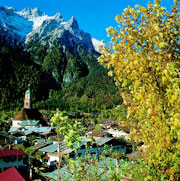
(72, 23)
(9, 7)
(34, 15)
(58, 17)
(32, 24)
(27, 13)
(97, 44)
(36, 12)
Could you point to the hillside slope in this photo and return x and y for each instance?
(49, 54)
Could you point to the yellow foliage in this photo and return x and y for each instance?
(144, 56)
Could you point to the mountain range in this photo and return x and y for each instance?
(30, 25)
(45, 51)
(43, 36)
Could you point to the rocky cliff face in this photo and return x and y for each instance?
(56, 45)
(50, 53)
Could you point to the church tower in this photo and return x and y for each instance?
(27, 100)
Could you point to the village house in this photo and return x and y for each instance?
(22, 134)
(11, 158)
(39, 130)
(11, 174)
(51, 151)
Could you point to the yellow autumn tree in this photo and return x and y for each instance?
(144, 58)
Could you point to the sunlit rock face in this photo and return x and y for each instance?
(60, 47)
(32, 24)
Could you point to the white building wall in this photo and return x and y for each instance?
(15, 123)
(52, 159)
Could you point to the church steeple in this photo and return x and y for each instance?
(27, 100)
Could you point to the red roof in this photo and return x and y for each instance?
(48, 133)
(11, 174)
(9, 153)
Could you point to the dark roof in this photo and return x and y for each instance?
(11, 174)
(40, 145)
(9, 153)
(28, 114)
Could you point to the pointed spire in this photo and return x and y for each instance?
(27, 100)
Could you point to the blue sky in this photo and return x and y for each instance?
(93, 16)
